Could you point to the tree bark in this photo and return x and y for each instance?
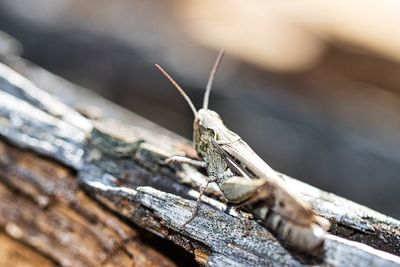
(71, 188)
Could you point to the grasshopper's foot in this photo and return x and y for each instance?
(182, 159)
(196, 208)
(194, 214)
(245, 220)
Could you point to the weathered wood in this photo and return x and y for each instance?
(117, 160)
(17, 254)
(42, 206)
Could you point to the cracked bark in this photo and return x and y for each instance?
(71, 187)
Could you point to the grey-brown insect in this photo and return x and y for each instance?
(246, 180)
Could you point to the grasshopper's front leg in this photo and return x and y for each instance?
(181, 159)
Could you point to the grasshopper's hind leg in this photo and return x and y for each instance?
(242, 191)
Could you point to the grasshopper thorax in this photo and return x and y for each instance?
(206, 126)
(209, 131)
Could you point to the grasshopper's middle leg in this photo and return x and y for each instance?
(203, 188)
(181, 159)
(198, 200)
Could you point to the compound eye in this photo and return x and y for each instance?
(198, 120)
(217, 137)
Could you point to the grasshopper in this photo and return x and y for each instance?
(245, 179)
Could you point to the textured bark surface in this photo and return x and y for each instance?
(43, 207)
(120, 166)
(15, 253)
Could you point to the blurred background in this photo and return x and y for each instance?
(312, 86)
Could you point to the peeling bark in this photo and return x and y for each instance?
(43, 207)
(121, 166)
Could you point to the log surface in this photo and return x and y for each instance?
(121, 166)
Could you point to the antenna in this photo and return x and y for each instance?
(211, 78)
(180, 90)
